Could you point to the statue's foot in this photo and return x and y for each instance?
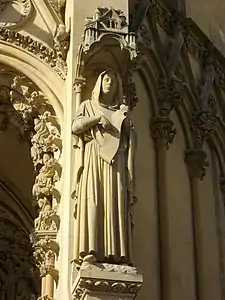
(90, 258)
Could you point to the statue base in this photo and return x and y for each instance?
(106, 282)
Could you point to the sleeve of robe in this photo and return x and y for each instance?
(78, 148)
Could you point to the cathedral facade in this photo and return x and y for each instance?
(112, 157)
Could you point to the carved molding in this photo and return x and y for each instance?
(163, 130)
(13, 13)
(111, 287)
(196, 163)
(41, 51)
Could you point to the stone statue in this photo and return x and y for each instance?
(104, 175)
(45, 221)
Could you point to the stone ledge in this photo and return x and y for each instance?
(100, 280)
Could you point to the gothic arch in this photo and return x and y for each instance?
(45, 77)
(31, 108)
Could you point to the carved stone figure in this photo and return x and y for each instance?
(104, 181)
(45, 219)
(61, 41)
(42, 140)
(47, 176)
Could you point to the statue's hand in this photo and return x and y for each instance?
(124, 109)
(104, 122)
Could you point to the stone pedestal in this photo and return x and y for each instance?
(106, 282)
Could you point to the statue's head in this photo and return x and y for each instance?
(108, 89)
(109, 84)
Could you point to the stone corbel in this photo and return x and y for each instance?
(163, 130)
(196, 160)
(102, 280)
(203, 125)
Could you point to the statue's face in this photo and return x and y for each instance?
(109, 83)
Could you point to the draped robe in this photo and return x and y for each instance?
(104, 187)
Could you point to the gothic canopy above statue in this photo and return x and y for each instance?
(107, 43)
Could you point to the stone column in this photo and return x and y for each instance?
(46, 251)
(196, 163)
(163, 132)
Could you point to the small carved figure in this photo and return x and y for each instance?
(104, 178)
(18, 99)
(61, 41)
(44, 220)
(47, 176)
(42, 140)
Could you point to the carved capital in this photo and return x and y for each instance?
(163, 130)
(79, 84)
(170, 94)
(107, 281)
(196, 163)
(46, 249)
(203, 125)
